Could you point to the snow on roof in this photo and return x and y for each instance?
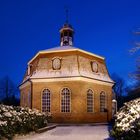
(64, 48)
(60, 48)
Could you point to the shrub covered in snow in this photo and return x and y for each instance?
(17, 120)
(127, 121)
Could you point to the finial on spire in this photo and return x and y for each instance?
(66, 32)
(67, 12)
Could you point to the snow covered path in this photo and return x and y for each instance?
(84, 132)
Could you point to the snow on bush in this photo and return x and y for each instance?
(16, 120)
(127, 121)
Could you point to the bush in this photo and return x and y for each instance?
(127, 121)
(19, 120)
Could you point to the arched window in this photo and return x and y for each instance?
(102, 101)
(46, 100)
(65, 100)
(90, 100)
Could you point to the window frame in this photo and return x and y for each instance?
(61, 100)
(90, 100)
(46, 101)
(105, 102)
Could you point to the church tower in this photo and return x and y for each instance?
(66, 33)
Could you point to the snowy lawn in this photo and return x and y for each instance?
(84, 132)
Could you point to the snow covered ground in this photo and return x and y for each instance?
(85, 132)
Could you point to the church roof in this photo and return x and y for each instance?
(64, 49)
(60, 48)
(64, 73)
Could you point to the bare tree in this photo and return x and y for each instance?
(8, 91)
(136, 74)
(7, 87)
(118, 88)
(134, 90)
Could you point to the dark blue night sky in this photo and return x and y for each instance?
(102, 27)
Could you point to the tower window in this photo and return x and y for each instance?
(89, 100)
(102, 102)
(65, 100)
(65, 33)
(70, 34)
(46, 100)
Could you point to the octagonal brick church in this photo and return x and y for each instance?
(70, 83)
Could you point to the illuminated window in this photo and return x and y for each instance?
(102, 102)
(89, 100)
(65, 100)
(46, 100)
